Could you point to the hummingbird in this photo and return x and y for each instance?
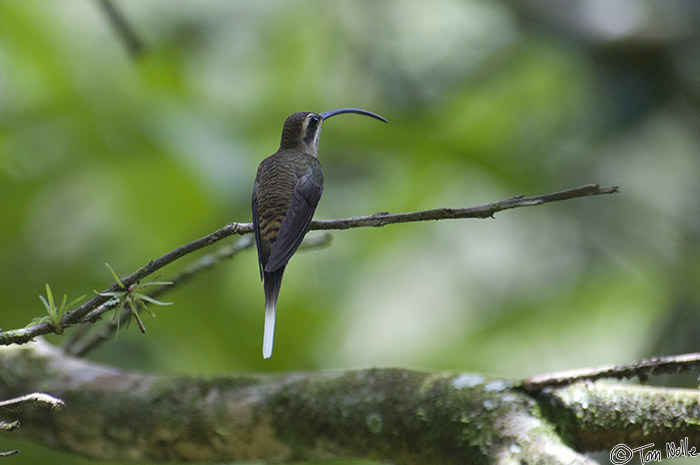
(286, 192)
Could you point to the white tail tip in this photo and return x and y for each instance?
(269, 332)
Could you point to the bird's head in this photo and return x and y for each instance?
(302, 130)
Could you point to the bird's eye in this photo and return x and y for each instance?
(314, 120)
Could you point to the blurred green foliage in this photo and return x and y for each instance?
(109, 158)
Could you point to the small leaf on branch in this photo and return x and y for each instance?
(54, 313)
(135, 300)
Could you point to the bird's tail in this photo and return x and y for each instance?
(272, 282)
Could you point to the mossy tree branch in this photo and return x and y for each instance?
(396, 415)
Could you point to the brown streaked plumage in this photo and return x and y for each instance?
(287, 189)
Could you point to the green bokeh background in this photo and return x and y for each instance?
(109, 158)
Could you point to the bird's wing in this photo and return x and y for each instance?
(256, 226)
(307, 193)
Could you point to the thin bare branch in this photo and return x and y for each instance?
(85, 313)
(480, 211)
(134, 45)
(643, 369)
(15, 405)
(33, 398)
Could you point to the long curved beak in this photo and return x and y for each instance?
(328, 114)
